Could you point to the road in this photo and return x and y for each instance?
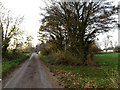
(33, 74)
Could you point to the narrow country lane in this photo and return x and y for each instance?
(33, 74)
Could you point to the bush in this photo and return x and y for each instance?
(10, 55)
(44, 52)
(64, 58)
(117, 49)
(9, 64)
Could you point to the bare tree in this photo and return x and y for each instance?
(10, 27)
(107, 42)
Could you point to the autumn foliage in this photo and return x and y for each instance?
(73, 26)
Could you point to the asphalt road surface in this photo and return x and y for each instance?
(32, 74)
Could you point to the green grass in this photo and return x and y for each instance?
(104, 75)
(46, 60)
(86, 74)
(0, 70)
(9, 65)
(107, 59)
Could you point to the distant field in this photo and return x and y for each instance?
(107, 59)
(103, 76)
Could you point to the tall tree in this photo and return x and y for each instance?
(10, 27)
(78, 23)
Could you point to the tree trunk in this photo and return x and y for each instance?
(84, 53)
(85, 57)
(4, 50)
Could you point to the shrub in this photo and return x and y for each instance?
(64, 58)
(117, 49)
(94, 49)
(9, 64)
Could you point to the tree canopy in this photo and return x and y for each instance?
(76, 24)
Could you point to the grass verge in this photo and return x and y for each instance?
(9, 65)
(105, 75)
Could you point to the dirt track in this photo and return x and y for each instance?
(33, 74)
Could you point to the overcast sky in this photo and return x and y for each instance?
(31, 12)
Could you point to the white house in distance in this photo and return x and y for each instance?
(109, 50)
